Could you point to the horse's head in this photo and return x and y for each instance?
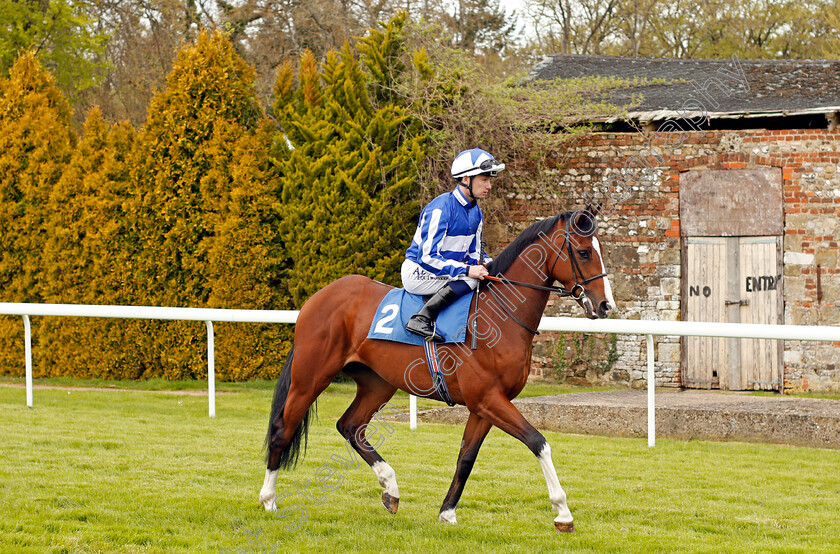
(579, 265)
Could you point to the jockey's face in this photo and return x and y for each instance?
(481, 186)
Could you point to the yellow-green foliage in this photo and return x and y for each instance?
(36, 142)
(207, 205)
(181, 187)
(348, 188)
(183, 213)
(208, 104)
(246, 260)
(85, 258)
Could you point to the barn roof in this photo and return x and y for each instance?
(719, 88)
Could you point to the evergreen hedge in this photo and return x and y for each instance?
(36, 144)
(349, 195)
(209, 204)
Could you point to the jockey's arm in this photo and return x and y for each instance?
(431, 234)
(475, 248)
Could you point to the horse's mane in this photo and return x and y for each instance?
(503, 261)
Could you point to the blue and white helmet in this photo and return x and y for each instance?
(475, 162)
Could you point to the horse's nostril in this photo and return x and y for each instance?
(605, 308)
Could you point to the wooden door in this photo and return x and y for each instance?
(760, 287)
(705, 358)
(736, 280)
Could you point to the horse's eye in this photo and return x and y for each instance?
(584, 254)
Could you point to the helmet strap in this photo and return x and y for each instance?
(469, 188)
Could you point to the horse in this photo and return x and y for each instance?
(331, 338)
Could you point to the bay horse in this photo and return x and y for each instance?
(331, 338)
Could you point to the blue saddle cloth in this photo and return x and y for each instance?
(397, 308)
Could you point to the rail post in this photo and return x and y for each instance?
(27, 332)
(651, 397)
(211, 369)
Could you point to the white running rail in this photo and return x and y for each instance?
(206, 315)
(621, 326)
(685, 329)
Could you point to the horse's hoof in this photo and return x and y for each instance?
(267, 502)
(565, 527)
(391, 504)
(448, 516)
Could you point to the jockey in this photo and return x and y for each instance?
(443, 259)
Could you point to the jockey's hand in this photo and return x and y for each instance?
(477, 272)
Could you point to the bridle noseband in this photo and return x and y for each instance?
(577, 291)
(576, 271)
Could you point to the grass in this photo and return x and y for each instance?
(823, 395)
(533, 388)
(155, 384)
(105, 471)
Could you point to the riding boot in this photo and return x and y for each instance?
(422, 323)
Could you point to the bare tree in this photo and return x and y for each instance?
(575, 26)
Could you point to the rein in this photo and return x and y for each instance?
(505, 308)
(562, 291)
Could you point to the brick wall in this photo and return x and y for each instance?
(642, 242)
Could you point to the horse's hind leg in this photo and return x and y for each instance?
(285, 433)
(372, 393)
(288, 424)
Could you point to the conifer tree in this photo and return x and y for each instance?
(245, 257)
(72, 212)
(84, 256)
(349, 182)
(209, 102)
(36, 142)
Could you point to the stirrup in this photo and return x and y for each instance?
(426, 328)
(435, 336)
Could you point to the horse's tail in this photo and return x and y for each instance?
(288, 456)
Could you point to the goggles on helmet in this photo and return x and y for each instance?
(487, 167)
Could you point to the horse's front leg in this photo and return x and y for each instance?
(556, 495)
(474, 434)
(501, 412)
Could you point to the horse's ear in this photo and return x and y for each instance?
(583, 223)
(594, 209)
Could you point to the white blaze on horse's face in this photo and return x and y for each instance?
(607, 288)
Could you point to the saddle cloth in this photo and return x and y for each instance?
(397, 308)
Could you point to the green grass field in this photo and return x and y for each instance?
(105, 471)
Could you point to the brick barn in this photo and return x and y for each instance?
(722, 197)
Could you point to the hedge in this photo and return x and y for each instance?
(209, 204)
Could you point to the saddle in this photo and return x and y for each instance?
(397, 308)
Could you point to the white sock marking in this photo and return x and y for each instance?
(387, 478)
(448, 516)
(268, 490)
(556, 494)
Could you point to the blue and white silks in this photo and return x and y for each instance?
(448, 237)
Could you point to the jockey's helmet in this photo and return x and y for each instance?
(475, 162)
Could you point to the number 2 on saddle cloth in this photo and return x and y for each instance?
(394, 312)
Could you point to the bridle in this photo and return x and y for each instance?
(577, 291)
(576, 272)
